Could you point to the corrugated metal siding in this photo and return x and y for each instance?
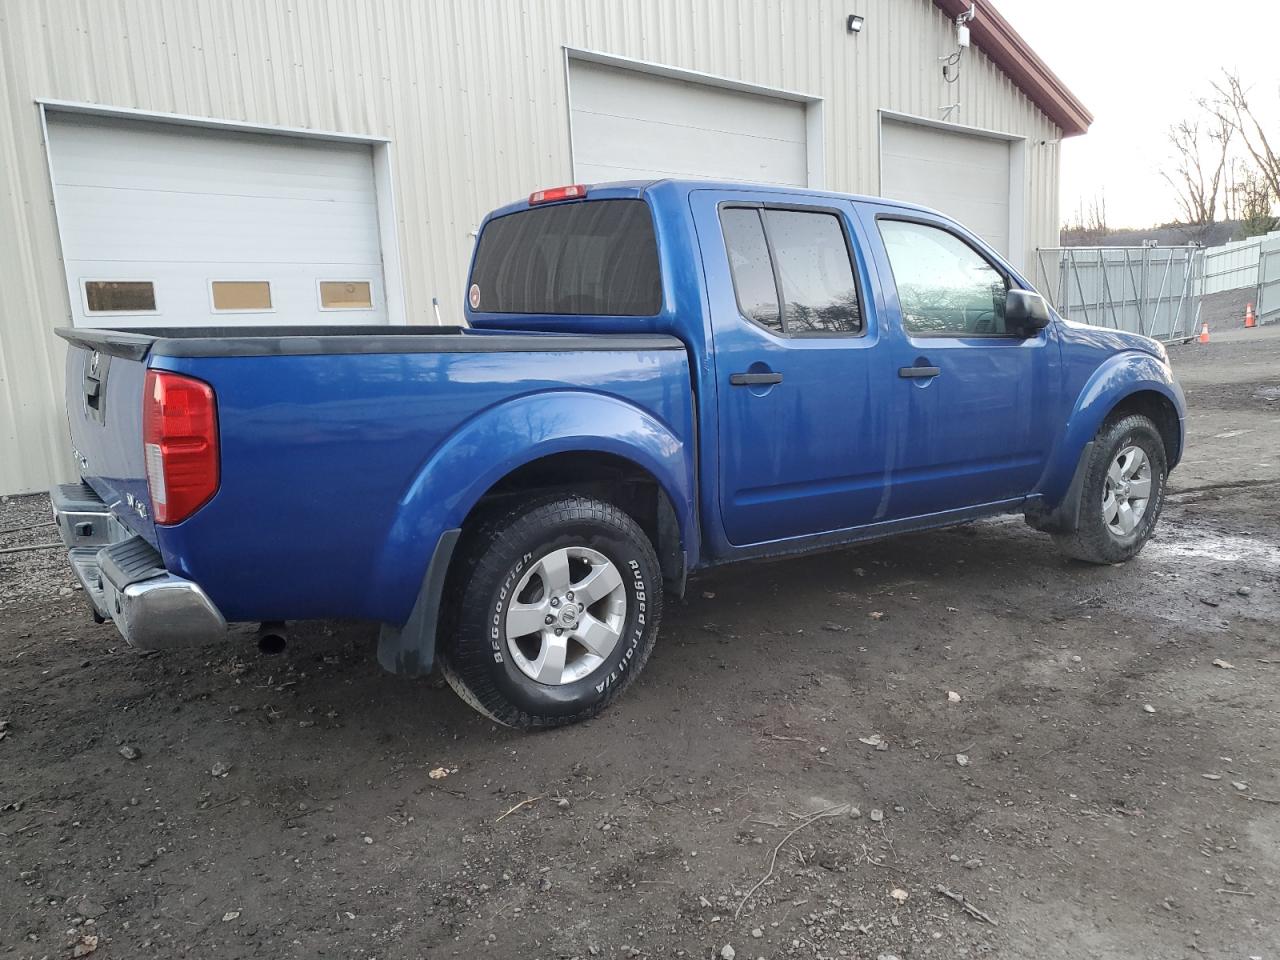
(471, 92)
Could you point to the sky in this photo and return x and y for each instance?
(1139, 66)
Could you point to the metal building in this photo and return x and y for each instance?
(215, 162)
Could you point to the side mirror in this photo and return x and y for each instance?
(1025, 312)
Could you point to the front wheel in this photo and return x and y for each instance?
(1122, 495)
(557, 610)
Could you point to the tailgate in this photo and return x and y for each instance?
(104, 410)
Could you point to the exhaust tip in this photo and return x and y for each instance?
(272, 639)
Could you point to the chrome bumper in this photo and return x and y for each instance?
(125, 579)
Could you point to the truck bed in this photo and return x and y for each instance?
(346, 451)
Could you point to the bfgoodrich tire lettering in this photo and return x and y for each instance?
(495, 676)
(1096, 540)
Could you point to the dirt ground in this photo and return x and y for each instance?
(1107, 785)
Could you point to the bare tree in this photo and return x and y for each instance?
(1233, 193)
(1098, 216)
(1199, 161)
(1231, 106)
(1253, 199)
(1090, 224)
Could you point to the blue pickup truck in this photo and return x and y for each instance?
(653, 378)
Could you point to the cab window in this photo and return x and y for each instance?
(945, 287)
(792, 270)
(593, 258)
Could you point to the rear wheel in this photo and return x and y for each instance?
(557, 610)
(1122, 495)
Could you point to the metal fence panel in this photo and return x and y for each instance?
(1149, 290)
(1269, 280)
(1232, 265)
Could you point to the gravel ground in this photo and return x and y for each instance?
(1225, 310)
(1105, 781)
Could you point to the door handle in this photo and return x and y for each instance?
(912, 373)
(753, 379)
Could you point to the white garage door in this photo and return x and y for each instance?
(631, 125)
(168, 225)
(965, 176)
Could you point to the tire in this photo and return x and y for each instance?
(1096, 540)
(507, 565)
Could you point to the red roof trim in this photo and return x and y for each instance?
(993, 34)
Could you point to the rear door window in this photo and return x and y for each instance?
(818, 291)
(750, 266)
(592, 258)
(792, 271)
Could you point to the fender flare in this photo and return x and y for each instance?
(486, 448)
(1119, 377)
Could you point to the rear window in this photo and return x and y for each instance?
(597, 257)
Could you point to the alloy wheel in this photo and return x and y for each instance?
(1127, 491)
(567, 615)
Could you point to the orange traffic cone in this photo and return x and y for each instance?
(1204, 332)
(1249, 319)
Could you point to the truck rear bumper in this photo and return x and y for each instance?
(125, 579)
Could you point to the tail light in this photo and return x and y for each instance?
(180, 441)
(575, 192)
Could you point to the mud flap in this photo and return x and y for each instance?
(673, 560)
(1065, 517)
(411, 649)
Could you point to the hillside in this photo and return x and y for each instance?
(1167, 235)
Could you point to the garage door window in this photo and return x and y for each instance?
(346, 295)
(593, 258)
(240, 296)
(945, 287)
(119, 296)
(792, 270)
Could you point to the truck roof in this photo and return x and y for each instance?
(635, 189)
